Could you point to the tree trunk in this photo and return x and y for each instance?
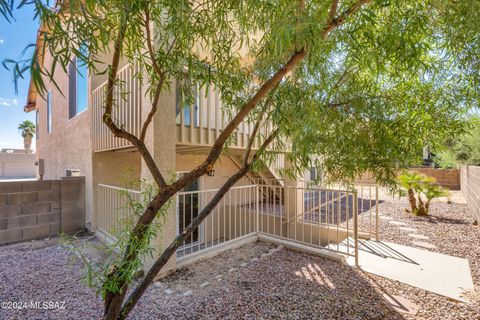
(421, 211)
(27, 143)
(427, 206)
(412, 200)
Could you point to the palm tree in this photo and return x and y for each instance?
(27, 130)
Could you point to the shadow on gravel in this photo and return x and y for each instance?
(437, 219)
(285, 285)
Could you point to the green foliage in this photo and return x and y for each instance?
(464, 149)
(380, 81)
(27, 128)
(411, 180)
(420, 185)
(397, 76)
(98, 274)
(6, 7)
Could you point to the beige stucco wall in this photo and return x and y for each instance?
(470, 182)
(224, 169)
(161, 144)
(117, 168)
(68, 145)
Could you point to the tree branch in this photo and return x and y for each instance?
(107, 115)
(252, 137)
(162, 197)
(217, 147)
(161, 78)
(267, 86)
(333, 10)
(177, 242)
(354, 8)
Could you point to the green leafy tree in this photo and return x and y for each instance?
(27, 129)
(6, 8)
(461, 150)
(360, 84)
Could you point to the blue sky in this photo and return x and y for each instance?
(14, 36)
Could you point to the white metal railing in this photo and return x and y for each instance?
(112, 211)
(126, 112)
(368, 209)
(197, 124)
(233, 218)
(202, 122)
(319, 218)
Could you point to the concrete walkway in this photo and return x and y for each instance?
(444, 275)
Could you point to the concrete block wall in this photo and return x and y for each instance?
(36, 209)
(448, 178)
(470, 185)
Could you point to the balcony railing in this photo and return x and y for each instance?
(201, 123)
(198, 124)
(126, 112)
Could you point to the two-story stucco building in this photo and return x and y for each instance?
(73, 140)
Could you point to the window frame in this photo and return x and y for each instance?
(49, 111)
(73, 88)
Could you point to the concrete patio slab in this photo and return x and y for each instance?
(442, 274)
(386, 218)
(424, 244)
(397, 223)
(418, 236)
(408, 229)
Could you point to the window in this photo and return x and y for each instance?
(187, 106)
(37, 114)
(313, 174)
(49, 112)
(78, 84)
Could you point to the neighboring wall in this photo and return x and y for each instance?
(470, 181)
(448, 178)
(17, 165)
(68, 145)
(36, 209)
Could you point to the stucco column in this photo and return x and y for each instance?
(160, 140)
(293, 199)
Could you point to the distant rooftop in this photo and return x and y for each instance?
(11, 150)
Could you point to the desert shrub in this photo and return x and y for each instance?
(421, 190)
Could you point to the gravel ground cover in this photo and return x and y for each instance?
(282, 284)
(256, 281)
(450, 229)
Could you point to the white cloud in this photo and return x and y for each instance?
(8, 102)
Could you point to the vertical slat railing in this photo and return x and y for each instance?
(308, 216)
(112, 209)
(203, 125)
(233, 218)
(126, 111)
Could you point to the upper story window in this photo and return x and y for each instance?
(49, 111)
(314, 174)
(37, 114)
(187, 110)
(78, 84)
